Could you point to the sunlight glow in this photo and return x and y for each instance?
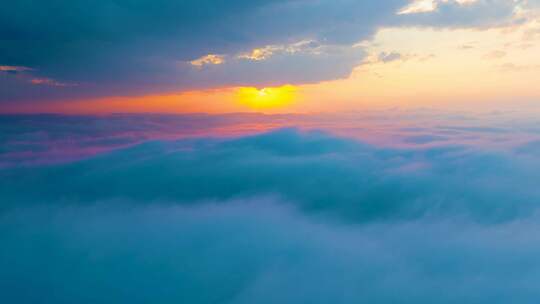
(266, 98)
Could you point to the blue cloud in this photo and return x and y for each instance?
(257, 251)
(530, 148)
(424, 139)
(282, 217)
(319, 174)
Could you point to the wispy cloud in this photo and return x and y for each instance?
(14, 69)
(427, 6)
(303, 46)
(210, 59)
(50, 82)
(497, 54)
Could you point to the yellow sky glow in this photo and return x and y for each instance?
(267, 98)
(453, 67)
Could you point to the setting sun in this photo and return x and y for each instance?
(267, 98)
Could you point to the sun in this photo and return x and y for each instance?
(266, 98)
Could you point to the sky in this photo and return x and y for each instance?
(171, 56)
(269, 151)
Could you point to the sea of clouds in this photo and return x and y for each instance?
(284, 216)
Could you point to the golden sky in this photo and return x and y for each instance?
(405, 67)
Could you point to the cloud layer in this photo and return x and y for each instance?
(258, 251)
(317, 173)
(286, 216)
(282, 217)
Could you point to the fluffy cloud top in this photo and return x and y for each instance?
(286, 216)
(318, 173)
(281, 217)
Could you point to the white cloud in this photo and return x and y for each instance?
(303, 46)
(426, 6)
